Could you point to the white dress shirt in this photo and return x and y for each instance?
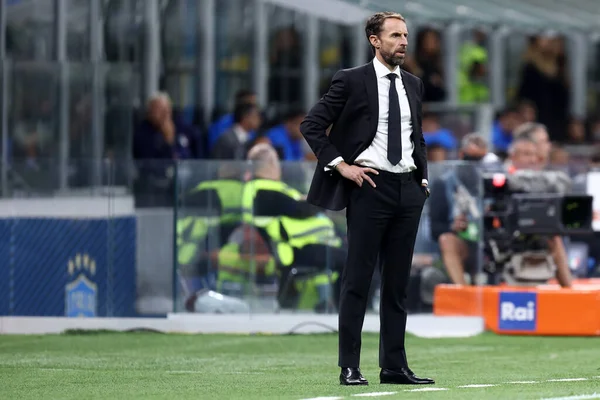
(241, 134)
(375, 156)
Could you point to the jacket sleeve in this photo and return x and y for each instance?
(420, 119)
(272, 203)
(222, 149)
(323, 114)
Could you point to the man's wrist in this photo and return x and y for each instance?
(339, 166)
(424, 182)
(333, 164)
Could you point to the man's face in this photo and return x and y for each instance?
(540, 137)
(253, 120)
(159, 111)
(528, 113)
(392, 41)
(436, 154)
(525, 156)
(430, 125)
(511, 121)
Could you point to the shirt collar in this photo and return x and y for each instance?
(241, 134)
(382, 71)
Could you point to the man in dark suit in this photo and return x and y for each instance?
(374, 164)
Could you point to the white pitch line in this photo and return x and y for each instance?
(437, 389)
(184, 372)
(58, 369)
(476, 386)
(431, 389)
(579, 397)
(567, 380)
(325, 398)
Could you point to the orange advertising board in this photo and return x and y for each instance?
(542, 310)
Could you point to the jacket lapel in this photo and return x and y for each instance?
(372, 96)
(411, 93)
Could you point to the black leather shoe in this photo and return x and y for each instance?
(352, 376)
(403, 376)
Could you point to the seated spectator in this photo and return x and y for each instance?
(160, 136)
(233, 144)
(528, 111)
(576, 132)
(502, 132)
(433, 133)
(539, 135)
(559, 157)
(436, 153)
(523, 154)
(287, 136)
(225, 123)
(454, 212)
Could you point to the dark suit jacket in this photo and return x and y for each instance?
(352, 106)
(228, 147)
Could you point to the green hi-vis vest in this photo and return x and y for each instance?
(308, 289)
(471, 92)
(233, 268)
(191, 230)
(300, 232)
(251, 189)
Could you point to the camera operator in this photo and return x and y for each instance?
(454, 212)
(537, 133)
(524, 154)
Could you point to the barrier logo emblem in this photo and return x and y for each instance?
(81, 292)
(518, 311)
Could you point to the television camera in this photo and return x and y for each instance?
(521, 212)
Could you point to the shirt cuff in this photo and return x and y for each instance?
(424, 182)
(334, 163)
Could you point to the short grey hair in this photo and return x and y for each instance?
(263, 152)
(519, 139)
(528, 128)
(473, 139)
(159, 96)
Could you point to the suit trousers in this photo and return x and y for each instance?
(382, 221)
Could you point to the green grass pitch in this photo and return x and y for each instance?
(169, 366)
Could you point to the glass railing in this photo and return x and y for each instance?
(231, 244)
(157, 237)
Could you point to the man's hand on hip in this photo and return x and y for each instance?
(356, 174)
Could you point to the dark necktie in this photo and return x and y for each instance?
(394, 149)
